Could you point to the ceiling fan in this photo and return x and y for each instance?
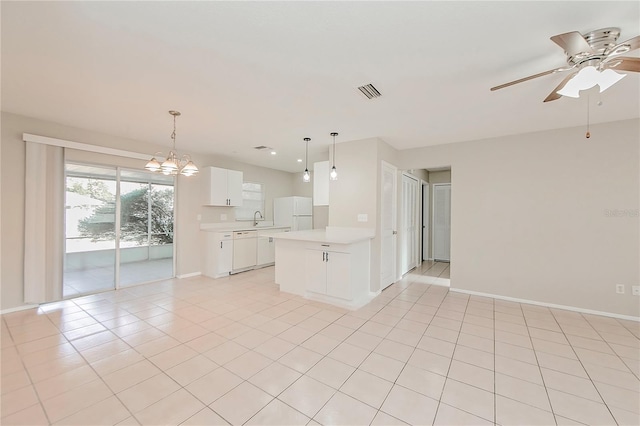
(592, 59)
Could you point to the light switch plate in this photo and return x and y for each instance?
(363, 217)
(199, 217)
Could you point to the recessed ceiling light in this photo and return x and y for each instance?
(273, 153)
(299, 160)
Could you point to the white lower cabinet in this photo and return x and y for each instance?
(266, 250)
(329, 273)
(218, 254)
(267, 246)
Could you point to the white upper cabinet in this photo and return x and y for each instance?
(321, 183)
(221, 187)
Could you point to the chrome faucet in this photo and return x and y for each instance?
(255, 221)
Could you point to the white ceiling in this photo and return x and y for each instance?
(270, 73)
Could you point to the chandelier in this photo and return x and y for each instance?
(173, 163)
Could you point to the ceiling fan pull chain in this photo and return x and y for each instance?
(588, 135)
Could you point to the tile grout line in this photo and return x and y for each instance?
(582, 364)
(452, 355)
(535, 354)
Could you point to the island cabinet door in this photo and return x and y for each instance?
(316, 271)
(338, 274)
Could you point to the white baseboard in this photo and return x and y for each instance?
(189, 275)
(547, 305)
(18, 308)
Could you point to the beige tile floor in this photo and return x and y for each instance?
(206, 352)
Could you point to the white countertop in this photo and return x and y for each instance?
(238, 226)
(335, 235)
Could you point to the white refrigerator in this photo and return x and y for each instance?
(296, 212)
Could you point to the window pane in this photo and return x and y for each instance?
(248, 186)
(251, 196)
(252, 200)
(161, 214)
(90, 210)
(134, 216)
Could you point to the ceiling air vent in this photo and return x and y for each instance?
(369, 91)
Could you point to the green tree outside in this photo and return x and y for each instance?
(134, 208)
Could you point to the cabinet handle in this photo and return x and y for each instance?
(220, 244)
(327, 256)
(323, 255)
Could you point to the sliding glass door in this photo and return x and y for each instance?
(90, 229)
(119, 228)
(146, 227)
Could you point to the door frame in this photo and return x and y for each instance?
(404, 238)
(394, 222)
(425, 218)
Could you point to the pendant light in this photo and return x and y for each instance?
(334, 173)
(173, 163)
(306, 177)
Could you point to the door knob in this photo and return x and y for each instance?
(395, 232)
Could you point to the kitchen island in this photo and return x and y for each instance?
(329, 265)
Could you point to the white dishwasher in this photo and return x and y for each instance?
(245, 245)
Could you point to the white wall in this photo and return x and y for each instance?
(357, 191)
(530, 214)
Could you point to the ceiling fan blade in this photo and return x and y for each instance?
(634, 43)
(531, 77)
(572, 43)
(555, 95)
(626, 64)
(624, 47)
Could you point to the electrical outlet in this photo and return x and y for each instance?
(223, 216)
(635, 290)
(620, 288)
(199, 217)
(363, 217)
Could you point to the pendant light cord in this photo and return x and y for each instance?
(173, 135)
(334, 134)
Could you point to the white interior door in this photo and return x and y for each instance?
(410, 230)
(441, 221)
(388, 206)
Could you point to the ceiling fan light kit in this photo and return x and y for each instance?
(591, 57)
(589, 77)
